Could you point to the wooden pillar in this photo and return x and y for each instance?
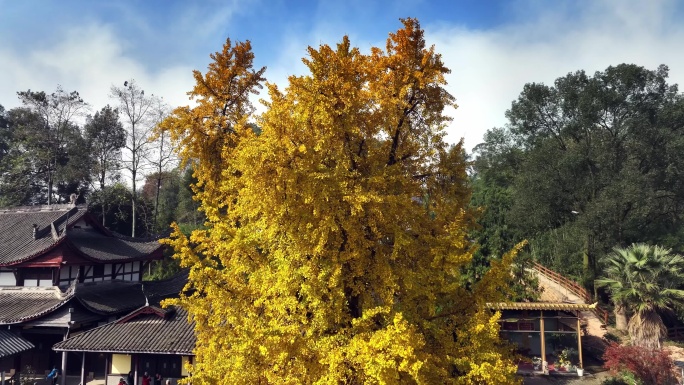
(83, 368)
(62, 377)
(579, 341)
(543, 341)
(106, 371)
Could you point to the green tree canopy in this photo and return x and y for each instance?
(52, 149)
(586, 164)
(105, 137)
(40, 163)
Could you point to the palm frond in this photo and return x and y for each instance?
(645, 280)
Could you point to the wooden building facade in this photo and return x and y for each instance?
(543, 329)
(61, 273)
(148, 340)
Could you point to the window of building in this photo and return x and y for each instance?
(67, 274)
(38, 276)
(7, 278)
(129, 271)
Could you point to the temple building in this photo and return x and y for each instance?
(53, 245)
(543, 330)
(149, 339)
(63, 273)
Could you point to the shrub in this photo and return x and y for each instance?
(568, 357)
(616, 381)
(610, 337)
(649, 366)
(623, 378)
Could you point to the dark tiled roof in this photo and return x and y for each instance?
(96, 245)
(23, 304)
(20, 304)
(115, 297)
(17, 243)
(16, 230)
(171, 287)
(146, 330)
(74, 314)
(11, 344)
(111, 297)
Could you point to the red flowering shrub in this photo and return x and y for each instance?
(651, 366)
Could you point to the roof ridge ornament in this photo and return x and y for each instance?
(142, 288)
(53, 230)
(64, 218)
(72, 286)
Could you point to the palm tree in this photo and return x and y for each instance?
(616, 280)
(644, 280)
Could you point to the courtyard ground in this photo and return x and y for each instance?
(587, 379)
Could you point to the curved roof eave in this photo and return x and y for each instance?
(125, 319)
(67, 296)
(37, 253)
(81, 253)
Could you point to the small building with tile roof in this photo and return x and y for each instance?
(20, 309)
(149, 339)
(543, 329)
(44, 316)
(63, 273)
(54, 245)
(11, 344)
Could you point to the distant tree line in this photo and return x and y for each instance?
(582, 166)
(54, 146)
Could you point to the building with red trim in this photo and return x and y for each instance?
(63, 273)
(53, 245)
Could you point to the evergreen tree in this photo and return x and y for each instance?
(588, 163)
(53, 149)
(644, 281)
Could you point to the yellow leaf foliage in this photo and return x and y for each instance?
(337, 231)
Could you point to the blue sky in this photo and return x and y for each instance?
(493, 47)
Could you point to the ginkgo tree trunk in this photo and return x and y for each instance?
(336, 234)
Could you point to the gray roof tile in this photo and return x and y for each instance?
(20, 304)
(115, 297)
(146, 330)
(96, 245)
(17, 243)
(111, 297)
(42, 304)
(171, 286)
(11, 344)
(16, 230)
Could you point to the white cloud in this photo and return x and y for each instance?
(88, 59)
(490, 67)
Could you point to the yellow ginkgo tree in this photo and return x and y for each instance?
(336, 225)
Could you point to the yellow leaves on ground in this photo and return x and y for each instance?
(337, 225)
